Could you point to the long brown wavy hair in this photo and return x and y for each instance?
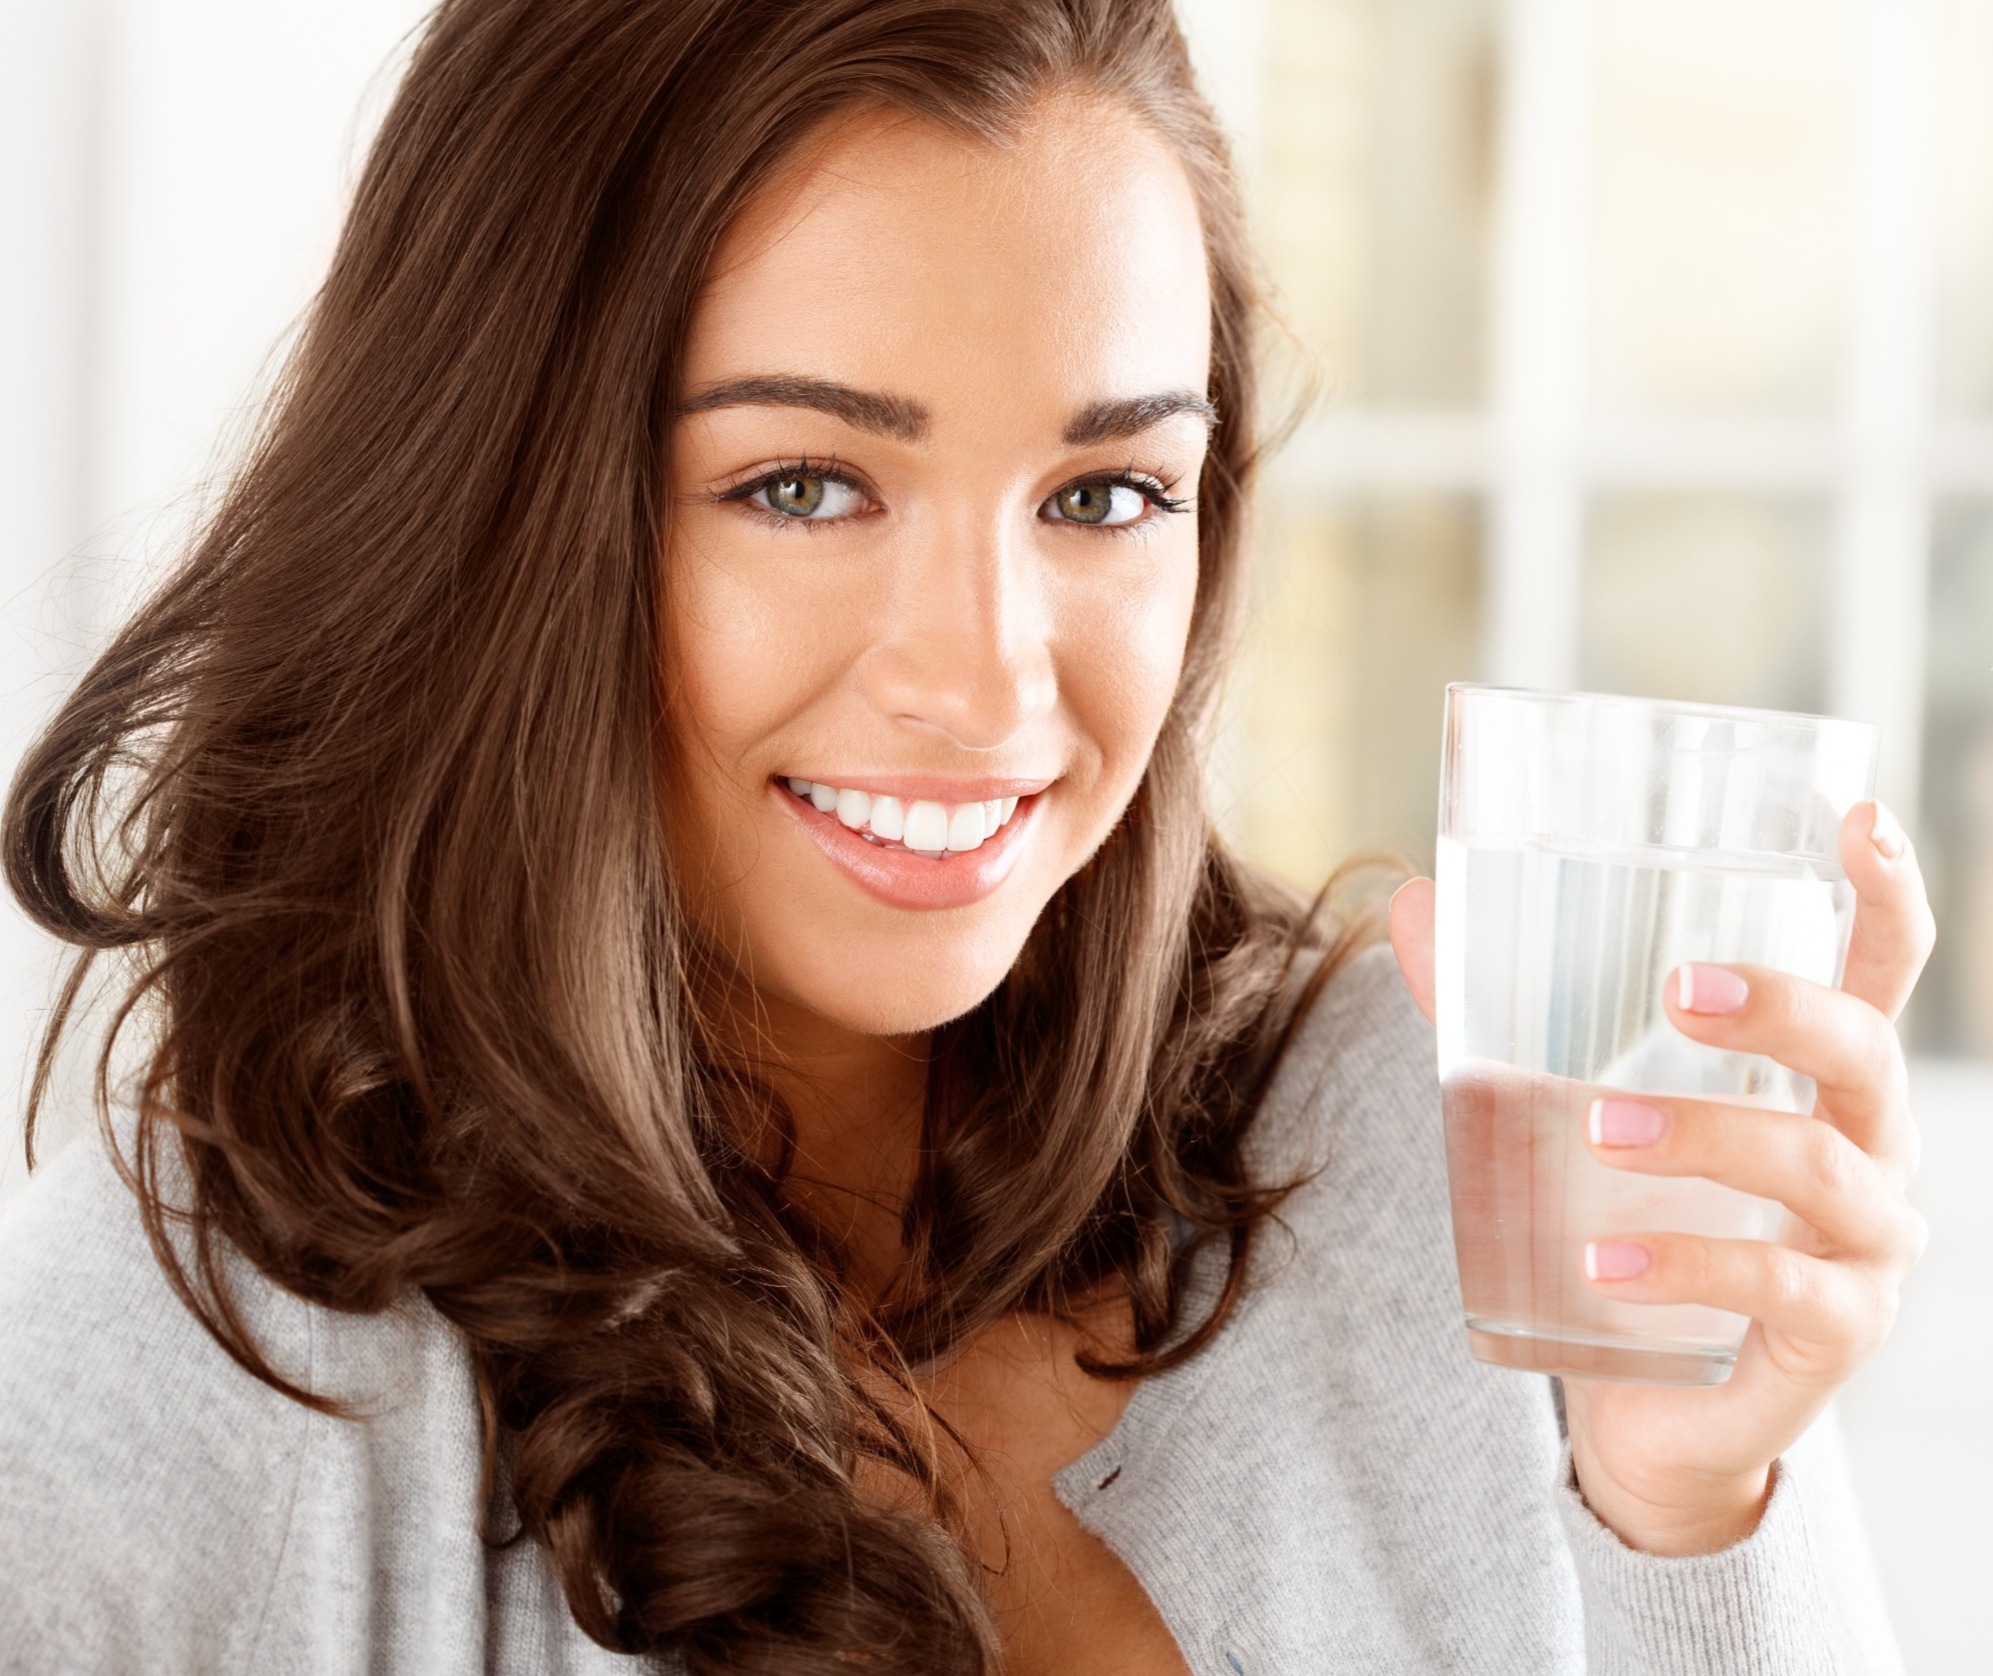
(367, 796)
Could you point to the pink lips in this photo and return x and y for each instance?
(901, 878)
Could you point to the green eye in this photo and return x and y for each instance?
(1098, 502)
(798, 497)
(802, 496)
(1086, 503)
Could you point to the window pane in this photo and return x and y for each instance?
(1331, 740)
(1719, 205)
(1372, 201)
(1965, 210)
(1953, 1011)
(1719, 599)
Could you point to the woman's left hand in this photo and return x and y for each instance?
(1687, 1470)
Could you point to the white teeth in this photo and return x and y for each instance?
(965, 827)
(889, 819)
(927, 826)
(854, 808)
(923, 826)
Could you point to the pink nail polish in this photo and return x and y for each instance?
(1710, 990)
(1625, 1123)
(1886, 834)
(1616, 1260)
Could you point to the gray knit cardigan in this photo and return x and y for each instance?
(1333, 1486)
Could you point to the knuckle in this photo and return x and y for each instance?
(1699, 1265)
(1682, 1265)
(1789, 1287)
(1873, 1050)
(1787, 1008)
(1886, 1048)
(1860, 1048)
(1880, 1319)
(1829, 1159)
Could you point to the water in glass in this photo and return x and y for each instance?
(1555, 955)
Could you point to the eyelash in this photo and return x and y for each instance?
(1151, 489)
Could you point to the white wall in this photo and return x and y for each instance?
(48, 58)
(177, 173)
(1917, 1418)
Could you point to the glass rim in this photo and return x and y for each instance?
(1659, 706)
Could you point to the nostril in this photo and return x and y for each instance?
(978, 698)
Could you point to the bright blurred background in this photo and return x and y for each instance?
(1656, 339)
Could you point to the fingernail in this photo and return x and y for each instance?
(1886, 834)
(1625, 1123)
(1710, 989)
(1615, 1260)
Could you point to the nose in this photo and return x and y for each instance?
(966, 649)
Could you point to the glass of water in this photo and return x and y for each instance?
(1588, 846)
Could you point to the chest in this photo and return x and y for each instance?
(1064, 1600)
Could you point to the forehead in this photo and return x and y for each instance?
(1058, 268)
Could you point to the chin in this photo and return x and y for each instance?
(899, 985)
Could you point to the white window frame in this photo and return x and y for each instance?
(1538, 455)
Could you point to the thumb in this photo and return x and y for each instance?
(1411, 939)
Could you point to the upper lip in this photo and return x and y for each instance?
(931, 788)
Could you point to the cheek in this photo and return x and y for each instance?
(1124, 656)
(736, 664)
(725, 690)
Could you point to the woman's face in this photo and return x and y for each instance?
(932, 548)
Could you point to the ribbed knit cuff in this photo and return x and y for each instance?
(1752, 1609)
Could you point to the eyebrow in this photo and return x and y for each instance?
(892, 416)
(908, 421)
(1106, 421)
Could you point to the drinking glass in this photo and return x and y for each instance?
(1588, 846)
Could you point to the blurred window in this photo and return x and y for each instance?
(1654, 343)
(1714, 598)
(1955, 845)
(1718, 214)
(1373, 188)
(1364, 610)
(1965, 211)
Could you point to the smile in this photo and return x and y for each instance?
(926, 828)
(912, 851)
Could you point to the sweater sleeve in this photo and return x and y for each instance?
(1797, 1597)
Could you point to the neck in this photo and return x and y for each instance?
(856, 1102)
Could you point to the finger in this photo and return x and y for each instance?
(1839, 1040)
(1894, 929)
(1837, 1312)
(1806, 1165)
(1411, 939)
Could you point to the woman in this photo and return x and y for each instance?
(708, 1093)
